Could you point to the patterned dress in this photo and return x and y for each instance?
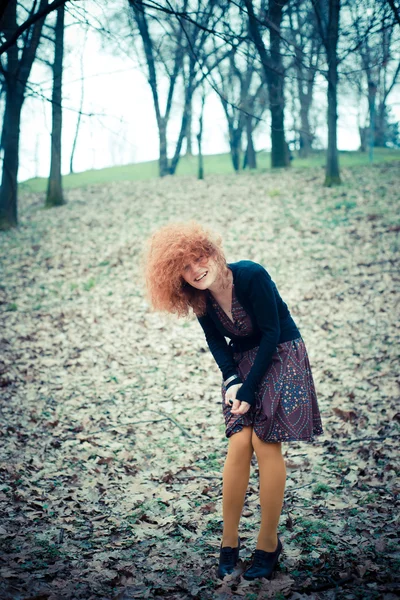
(286, 407)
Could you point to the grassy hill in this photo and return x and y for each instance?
(213, 164)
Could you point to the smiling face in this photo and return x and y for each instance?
(201, 273)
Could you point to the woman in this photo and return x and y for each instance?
(268, 393)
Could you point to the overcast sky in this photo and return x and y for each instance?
(123, 127)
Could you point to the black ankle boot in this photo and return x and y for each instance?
(228, 558)
(263, 563)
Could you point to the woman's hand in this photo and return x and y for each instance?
(231, 392)
(238, 407)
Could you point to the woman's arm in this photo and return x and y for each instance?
(220, 351)
(262, 298)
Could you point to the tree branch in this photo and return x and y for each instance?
(36, 17)
(396, 11)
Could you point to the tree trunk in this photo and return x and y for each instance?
(16, 75)
(305, 133)
(279, 147)
(54, 188)
(163, 158)
(330, 38)
(332, 163)
(11, 130)
(189, 146)
(235, 156)
(251, 159)
(200, 171)
(274, 72)
(279, 153)
(363, 132)
(380, 126)
(235, 143)
(371, 105)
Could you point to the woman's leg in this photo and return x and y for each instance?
(235, 482)
(272, 470)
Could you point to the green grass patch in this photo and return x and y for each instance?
(88, 285)
(274, 193)
(214, 526)
(321, 488)
(214, 164)
(11, 307)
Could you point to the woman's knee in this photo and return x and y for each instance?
(240, 443)
(265, 448)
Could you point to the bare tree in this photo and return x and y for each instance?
(241, 87)
(175, 47)
(151, 49)
(34, 16)
(307, 51)
(387, 78)
(272, 62)
(15, 73)
(233, 80)
(54, 195)
(377, 61)
(328, 13)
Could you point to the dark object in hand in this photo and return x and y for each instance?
(230, 402)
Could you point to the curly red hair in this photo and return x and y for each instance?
(168, 250)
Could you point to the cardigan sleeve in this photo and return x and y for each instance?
(261, 296)
(220, 350)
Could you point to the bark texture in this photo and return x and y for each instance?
(250, 156)
(274, 73)
(19, 64)
(329, 30)
(54, 195)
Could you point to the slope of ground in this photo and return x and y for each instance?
(111, 427)
(215, 164)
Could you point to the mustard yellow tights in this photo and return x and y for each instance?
(236, 474)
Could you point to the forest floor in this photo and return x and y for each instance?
(112, 437)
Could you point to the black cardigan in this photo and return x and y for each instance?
(272, 324)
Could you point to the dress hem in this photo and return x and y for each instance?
(305, 439)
